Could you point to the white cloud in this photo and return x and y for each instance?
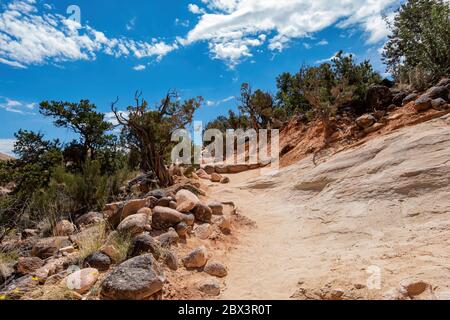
(15, 106)
(7, 146)
(211, 103)
(322, 43)
(230, 25)
(131, 24)
(139, 67)
(334, 56)
(30, 38)
(183, 23)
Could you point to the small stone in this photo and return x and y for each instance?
(133, 224)
(28, 265)
(143, 244)
(168, 239)
(89, 219)
(202, 213)
(365, 121)
(173, 205)
(225, 180)
(215, 177)
(224, 225)
(196, 258)
(203, 231)
(216, 269)
(186, 201)
(48, 247)
(132, 207)
(64, 228)
(171, 260)
(422, 104)
(211, 287)
(438, 103)
(216, 207)
(164, 218)
(163, 202)
(146, 211)
(182, 229)
(414, 287)
(409, 98)
(97, 260)
(189, 219)
(83, 280)
(112, 252)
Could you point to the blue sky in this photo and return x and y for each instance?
(101, 49)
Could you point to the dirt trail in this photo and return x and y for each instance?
(383, 206)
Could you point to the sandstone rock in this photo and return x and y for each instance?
(216, 269)
(377, 126)
(89, 219)
(97, 260)
(158, 194)
(47, 247)
(64, 228)
(365, 121)
(409, 98)
(224, 225)
(203, 231)
(83, 280)
(211, 287)
(209, 169)
(143, 244)
(203, 175)
(132, 207)
(221, 169)
(238, 168)
(189, 219)
(225, 180)
(216, 208)
(202, 212)
(422, 104)
(186, 201)
(164, 218)
(171, 260)
(134, 224)
(215, 177)
(182, 229)
(113, 213)
(169, 238)
(136, 279)
(27, 265)
(196, 258)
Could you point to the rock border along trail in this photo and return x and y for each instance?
(379, 210)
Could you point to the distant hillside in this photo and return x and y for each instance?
(4, 157)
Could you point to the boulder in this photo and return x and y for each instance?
(211, 287)
(27, 265)
(113, 213)
(398, 98)
(365, 121)
(209, 169)
(97, 260)
(182, 229)
(158, 193)
(171, 260)
(134, 224)
(112, 252)
(438, 103)
(64, 228)
(168, 239)
(202, 213)
(238, 168)
(164, 218)
(186, 201)
(215, 177)
(164, 202)
(196, 258)
(143, 244)
(132, 207)
(89, 219)
(422, 104)
(410, 97)
(173, 205)
(203, 175)
(48, 247)
(216, 269)
(139, 278)
(82, 280)
(437, 92)
(378, 97)
(224, 225)
(203, 231)
(222, 169)
(216, 208)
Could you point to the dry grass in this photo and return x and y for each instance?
(122, 243)
(91, 240)
(52, 293)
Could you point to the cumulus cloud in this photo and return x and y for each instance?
(139, 67)
(15, 106)
(7, 146)
(232, 27)
(30, 37)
